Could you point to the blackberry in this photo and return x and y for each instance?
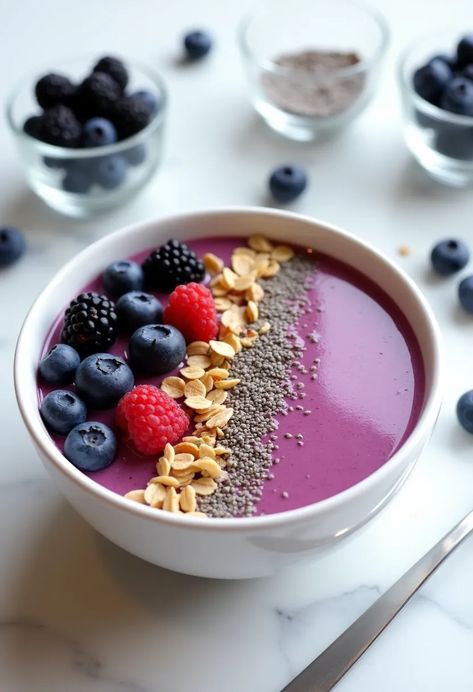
(32, 126)
(60, 126)
(114, 68)
(90, 323)
(130, 115)
(172, 264)
(97, 94)
(54, 90)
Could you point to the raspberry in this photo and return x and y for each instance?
(151, 418)
(191, 309)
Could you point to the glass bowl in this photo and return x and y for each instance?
(311, 65)
(442, 142)
(65, 178)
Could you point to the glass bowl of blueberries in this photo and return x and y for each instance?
(436, 78)
(90, 136)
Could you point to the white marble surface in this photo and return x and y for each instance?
(78, 614)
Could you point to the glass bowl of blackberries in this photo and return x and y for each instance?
(436, 77)
(89, 135)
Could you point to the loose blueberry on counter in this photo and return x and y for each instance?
(135, 309)
(458, 96)
(123, 276)
(430, 80)
(465, 51)
(90, 446)
(197, 44)
(455, 141)
(465, 293)
(59, 365)
(110, 171)
(12, 245)
(98, 132)
(62, 410)
(449, 256)
(147, 97)
(102, 378)
(156, 348)
(286, 183)
(465, 411)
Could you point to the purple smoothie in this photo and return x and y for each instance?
(361, 379)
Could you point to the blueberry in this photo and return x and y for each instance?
(12, 245)
(455, 141)
(77, 180)
(287, 182)
(156, 348)
(449, 256)
(465, 51)
(110, 171)
(430, 80)
(197, 44)
(55, 163)
(458, 96)
(465, 411)
(148, 97)
(97, 132)
(61, 410)
(59, 365)
(123, 276)
(102, 378)
(465, 293)
(135, 309)
(467, 72)
(90, 446)
(136, 155)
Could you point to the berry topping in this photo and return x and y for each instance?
(465, 293)
(90, 323)
(77, 179)
(172, 264)
(197, 44)
(54, 90)
(130, 115)
(465, 51)
(151, 419)
(449, 256)
(286, 183)
(12, 245)
(135, 309)
(431, 79)
(98, 93)
(101, 379)
(136, 155)
(97, 132)
(90, 446)
(60, 126)
(465, 411)
(59, 365)
(110, 171)
(114, 68)
(148, 97)
(191, 309)
(123, 276)
(61, 410)
(458, 96)
(156, 348)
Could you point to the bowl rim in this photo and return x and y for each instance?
(299, 73)
(78, 153)
(405, 80)
(243, 524)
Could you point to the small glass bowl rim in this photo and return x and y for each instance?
(303, 75)
(57, 152)
(407, 87)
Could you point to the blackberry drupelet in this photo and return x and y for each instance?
(90, 323)
(97, 94)
(130, 115)
(53, 90)
(172, 264)
(60, 126)
(114, 68)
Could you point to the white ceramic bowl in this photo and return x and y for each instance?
(227, 548)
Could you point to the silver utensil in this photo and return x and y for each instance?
(326, 670)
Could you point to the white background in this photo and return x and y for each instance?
(78, 614)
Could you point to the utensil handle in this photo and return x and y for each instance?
(326, 670)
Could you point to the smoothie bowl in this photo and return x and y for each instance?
(271, 410)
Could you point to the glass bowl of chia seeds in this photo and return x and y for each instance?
(80, 180)
(311, 65)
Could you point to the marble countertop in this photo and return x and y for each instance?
(77, 614)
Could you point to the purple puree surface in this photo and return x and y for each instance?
(364, 394)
